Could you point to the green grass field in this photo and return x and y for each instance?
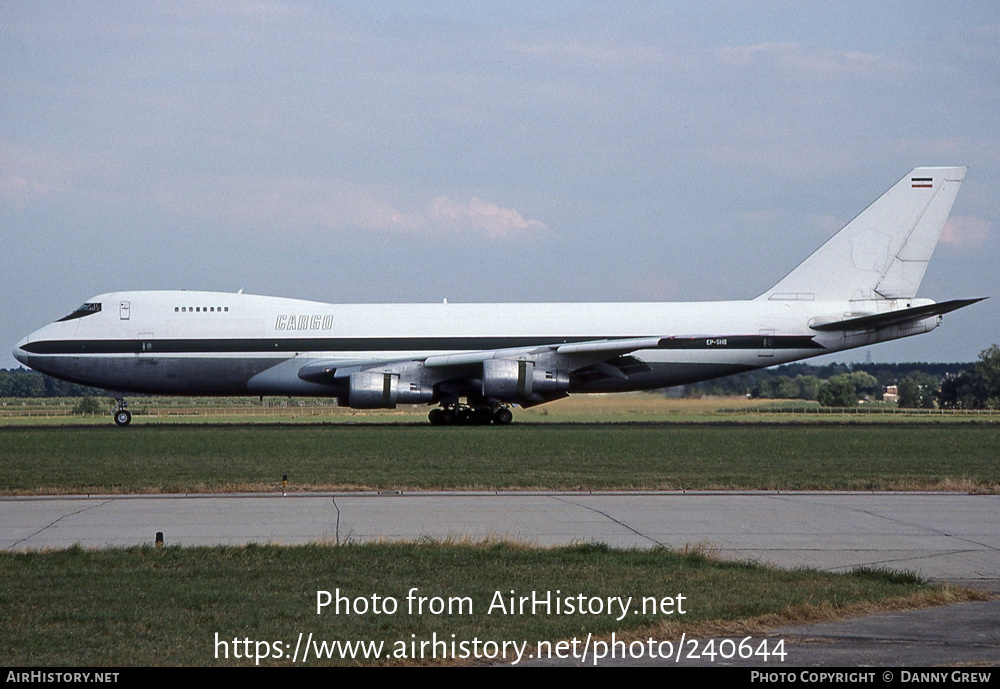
(142, 606)
(611, 408)
(647, 456)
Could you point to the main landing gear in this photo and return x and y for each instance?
(464, 415)
(123, 417)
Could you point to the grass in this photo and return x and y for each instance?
(599, 408)
(144, 606)
(657, 456)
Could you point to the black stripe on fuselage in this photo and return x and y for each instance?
(155, 347)
(741, 342)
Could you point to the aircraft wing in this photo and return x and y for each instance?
(601, 356)
(571, 355)
(602, 349)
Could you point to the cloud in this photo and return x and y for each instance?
(794, 61)
(596, 52)
(653, 288)
(980, 43)
(27, 174)
(308, 206)
(480, 217)
(966, 233)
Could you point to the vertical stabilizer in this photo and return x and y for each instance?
(882, 253)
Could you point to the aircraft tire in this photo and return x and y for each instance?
(123, 417)
(503, 416)
(436, 416)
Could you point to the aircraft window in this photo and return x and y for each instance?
(87, 309)
(176, 309)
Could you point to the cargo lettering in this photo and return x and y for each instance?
(291, 321)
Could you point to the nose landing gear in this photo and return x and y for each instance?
(122, 416)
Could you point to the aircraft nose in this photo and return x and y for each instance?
(19, 353)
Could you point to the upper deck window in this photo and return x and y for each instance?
(200, 309)
(85, 310)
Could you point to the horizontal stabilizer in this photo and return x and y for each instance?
(881, 320)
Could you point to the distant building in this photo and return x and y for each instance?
(891, 394)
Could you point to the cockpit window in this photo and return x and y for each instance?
(85, 310)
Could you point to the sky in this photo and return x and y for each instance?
(496, 151)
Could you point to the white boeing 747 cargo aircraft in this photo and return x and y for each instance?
(477, 360)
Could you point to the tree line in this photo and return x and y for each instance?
(918, 385)
(21, 383)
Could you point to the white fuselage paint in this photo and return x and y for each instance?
(220, 343)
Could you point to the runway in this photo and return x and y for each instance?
(940, 536)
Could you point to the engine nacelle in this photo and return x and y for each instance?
(380, 390)
(512, 380)
(546, 380)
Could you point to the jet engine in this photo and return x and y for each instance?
(380, 390)
(510, 380)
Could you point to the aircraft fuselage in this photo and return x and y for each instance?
(208, 343)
